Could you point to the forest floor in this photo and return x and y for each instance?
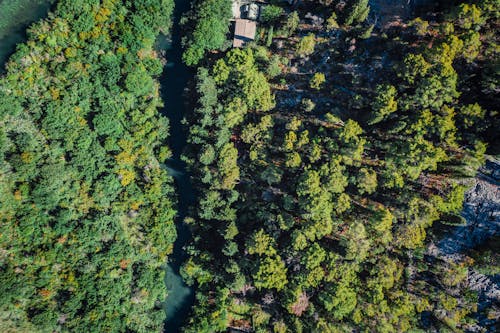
(385, 13)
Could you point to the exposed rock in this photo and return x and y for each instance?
(482, 213)
(483, 284)
(316, 21)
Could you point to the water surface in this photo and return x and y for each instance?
(173, 83)
(15, 17)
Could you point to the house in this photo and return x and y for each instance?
(250, 11)
(244, 32)
(246, 9)
(245, 16)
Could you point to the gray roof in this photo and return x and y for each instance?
(244, 31)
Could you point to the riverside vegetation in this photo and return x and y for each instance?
(86, 209)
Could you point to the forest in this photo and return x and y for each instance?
(86, 209)
(327, 155)
(324, 153)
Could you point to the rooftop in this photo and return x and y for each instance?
(244, 32)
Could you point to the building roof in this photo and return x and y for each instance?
(244, 32)
(253, 12)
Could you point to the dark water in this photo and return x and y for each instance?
(173, 83)
(15, 17)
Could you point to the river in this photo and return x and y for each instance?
(17, 15)
(173, 84)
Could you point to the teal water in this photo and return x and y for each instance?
(15, 17)
(173, 81)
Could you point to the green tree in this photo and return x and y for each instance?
(306, 45)
(271, 274)
(367, 181)
(384, 103)
(317, 81)
(270, 13)
(208, 25)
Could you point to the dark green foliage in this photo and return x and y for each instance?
(208, 25)
(86, 213)
(271, 13)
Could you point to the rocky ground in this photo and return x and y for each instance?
(482, 213)
(481, 210)
(385, 13)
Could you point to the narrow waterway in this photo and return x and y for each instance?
(173, 84)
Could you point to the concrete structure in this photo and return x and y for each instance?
(251, 11)
(244, 32)
(246, 9)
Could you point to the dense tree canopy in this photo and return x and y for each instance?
(208, 26)
(86, 210)
(325, 155)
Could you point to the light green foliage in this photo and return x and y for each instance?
(453, 202)
(314, 257)
(356, 242)
(255, 133)
(293, 160)
(467, 16)
(227, 164)
(274, 66)
(472, 45)
(415, 66)
(331, 22)
(341, 302)
(356, 12)
(470, 115)
(367, 181)
(292, 23)
(381, 224)
(270, 36)
(271, 274)
(307, 104)
(86, 211)
(306, 45)
(384, 103)
(317, 81)
(351, 131)
(290, 140)
(421, 26)
(207, 155)
(270, 13)
(250, 84)
(261, 244)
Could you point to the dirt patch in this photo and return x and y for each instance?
(387, 13)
